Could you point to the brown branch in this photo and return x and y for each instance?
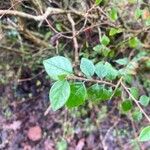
(76, 46)
(91, 80)
(49, 11)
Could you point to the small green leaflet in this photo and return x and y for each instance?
(105, 40)
(114, 31)
(134, 42)
(97, 2)
(145, 134)
(122, 61)
(57, 66)
(138, 13)
(77, 96)
(59, 94)
(144, 100)
(135, 92)
(87, 67)
(126, 105)
(113, 14)
(137, 115)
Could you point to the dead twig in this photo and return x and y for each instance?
(76, 46)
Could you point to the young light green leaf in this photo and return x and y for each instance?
(145, 134)
(126, 105)
(77, 96)
(144, 100)
(122, 61)
(134, 42)
(97, 2)
(87, 67)
(113, 14)
(57, 66)
(59, 94)
(138, 13)
(105, 40)
(114, 31)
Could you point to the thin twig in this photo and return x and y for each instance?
(91, 80)
(76, 47)
(49, 11)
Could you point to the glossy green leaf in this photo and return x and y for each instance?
(59, 94)
(105, 40)
(87, 67)
(126, 105)
(97, 2)
(78, 95)
(135, 92)
(114, 31)
(144, 100)
(113, 14)
(145, 134)
(57, 66)
(98, 93)
(122, 61)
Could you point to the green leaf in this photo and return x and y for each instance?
(135, 92)
(106, 70)
(61, 145)
(113, 14)
(57, 66)
(77, 96)
(105, 40)
(122, 61)
(114, 31)
(102, 49)
(126, 105)
(134, 42)
(95, 92)
(144, 100)
(100, 69)
(138, 13)
(87, 67)
(145, 134)
(97, 2)
(98, 93)
(112, 73)
(137, 115)
(59, 94)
